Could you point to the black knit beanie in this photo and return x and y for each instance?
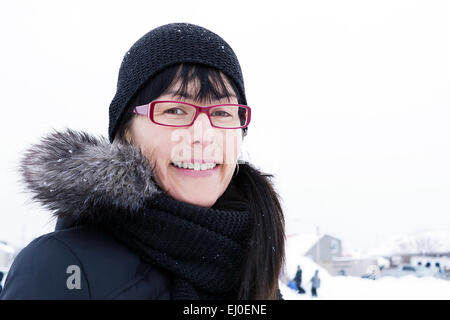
(166, 46)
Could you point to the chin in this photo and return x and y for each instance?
(203, 201)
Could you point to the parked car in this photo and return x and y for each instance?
(369, 276)
(400, 271)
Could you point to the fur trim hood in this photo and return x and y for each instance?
(71, 172)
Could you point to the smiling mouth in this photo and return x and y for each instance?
(195, 166)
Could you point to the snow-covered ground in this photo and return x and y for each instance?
(346, 287)
(342, 288)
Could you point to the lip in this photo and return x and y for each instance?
(196, 173)
(198, 161)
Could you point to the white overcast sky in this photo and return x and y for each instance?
(350, 99)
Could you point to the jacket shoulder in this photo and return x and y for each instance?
(40, 272)
(107, 269)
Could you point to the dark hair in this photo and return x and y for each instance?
(262, 265)
(212, 86)
(266, 254)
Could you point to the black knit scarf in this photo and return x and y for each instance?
(203, 248)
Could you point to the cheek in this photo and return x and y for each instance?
(228, 171)
(153, 141)
(158, 155)
(231, 147)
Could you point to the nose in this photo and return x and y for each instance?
(201, 130)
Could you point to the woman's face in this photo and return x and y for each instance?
(213, 150)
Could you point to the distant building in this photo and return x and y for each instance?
(326, 251)
(413, 258)
(416, 250)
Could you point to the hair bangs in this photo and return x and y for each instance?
(209, 84)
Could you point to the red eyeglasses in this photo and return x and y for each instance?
(183, 114)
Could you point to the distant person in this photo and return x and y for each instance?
(298, 280)
(315, 283)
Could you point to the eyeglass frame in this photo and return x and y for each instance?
(149, 108)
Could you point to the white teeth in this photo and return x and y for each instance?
(194, 166)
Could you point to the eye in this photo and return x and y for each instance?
(220, 113)
(175, 111)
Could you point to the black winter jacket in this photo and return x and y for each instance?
(109, 270)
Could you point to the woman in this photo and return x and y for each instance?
(163, 210)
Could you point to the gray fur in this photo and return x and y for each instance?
(72, 172)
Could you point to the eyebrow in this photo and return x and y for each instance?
(187, 95)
